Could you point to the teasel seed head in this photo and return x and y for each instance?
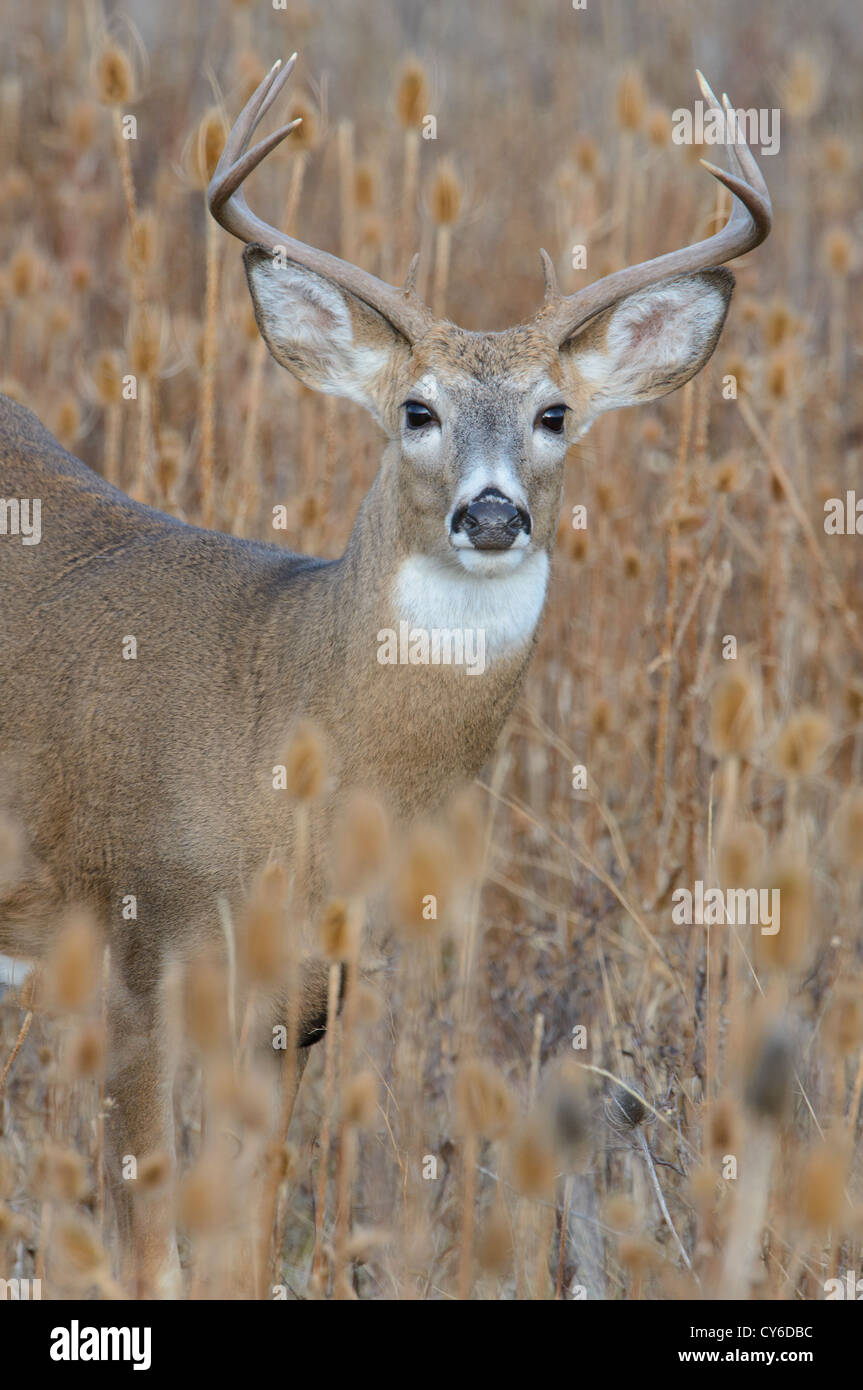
(494, 1243)
(263, 935)
(846, 840)
(484, 1102)
(631, 563)
(60, 1175)
(205, 1196)
(113, 76)
(306, 136)
(106, 374)
(801, 743)
(532, 1159)
(839, 253)
(141, 249)
(169, 462)
(734, 714)
(630, 100)
(770, 1073)
(86, 1052)
(422, 887)
(145, 336)
(727, 474)
(802, 86)
(305, 761)
(446, 194)
(365, 187)
(74, 965)
(362, 842)
(788, 873)
(844, 1027)
(360, 1100)
(25, 273)
(821, 1189)
(208, 141)
(741, 854)
(566, 1103)
(78, 1244)
(412, 94)
(206, 1002)
(625, 1109)
(587, 155)
(340, 929)
(659, 127)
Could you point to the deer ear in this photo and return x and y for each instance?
(649, 343)
(323, 334)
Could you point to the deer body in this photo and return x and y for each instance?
(229, 635)
(153, 776)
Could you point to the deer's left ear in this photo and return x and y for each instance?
(647, 344)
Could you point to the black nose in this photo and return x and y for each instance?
(491, 521)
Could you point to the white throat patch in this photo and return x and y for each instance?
(431, 595)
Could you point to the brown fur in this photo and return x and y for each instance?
(153, 776)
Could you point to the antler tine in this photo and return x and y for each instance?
(740, 157)
(725, 111)
(748, 225)
(228, 205)
(549, 275)
(248, 161)
(743, 157)
(283, 72)
(250, 117)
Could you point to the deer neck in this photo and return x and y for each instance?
(432, 657)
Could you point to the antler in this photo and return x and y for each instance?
(748, 225)
(228, 205)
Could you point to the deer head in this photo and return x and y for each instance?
(479, 423)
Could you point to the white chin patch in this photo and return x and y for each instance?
(489, 561)
(500, 593)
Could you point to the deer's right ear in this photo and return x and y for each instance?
(323, 334)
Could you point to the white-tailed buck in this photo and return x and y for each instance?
(153, 776)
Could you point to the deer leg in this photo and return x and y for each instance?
(140, 1124)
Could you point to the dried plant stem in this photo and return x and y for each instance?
(443, 242)
(346, 188)
(100, 1122)
(248, 489)
(22, 1033)
(295, 1061)
(344, 1181)
(143, 478)
(670, 605)
(318, 1264)
(328, 465)
(291, 1079)
(663, 1207)
(410, 174)
(622, 197)
(113, 431)
(347, 1135)
(125, 163)
(295, 188)
(750, 1210)
(467, 1217)
(208, 375)
(564, 1227)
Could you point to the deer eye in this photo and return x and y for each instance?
(417, 415)
(553, 418)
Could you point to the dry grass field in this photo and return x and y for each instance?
(556, 1089)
